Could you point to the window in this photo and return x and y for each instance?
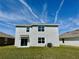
(27, 30)
(40, 28)
(63, 40)
(41, 40)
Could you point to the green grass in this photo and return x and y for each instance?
(63, 52)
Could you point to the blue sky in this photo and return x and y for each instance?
(63, 12)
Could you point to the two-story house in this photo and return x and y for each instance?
(28, 35)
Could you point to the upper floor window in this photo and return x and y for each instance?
(40, 28)
(27, 30)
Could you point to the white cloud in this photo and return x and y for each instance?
(75, 20)
(9, 26)
(69, 24)
(10, 16)
(44, 14)
(64, 25)
(13, 17)
(58, 10)
(28, 7)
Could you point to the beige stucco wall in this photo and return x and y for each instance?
(70, 41)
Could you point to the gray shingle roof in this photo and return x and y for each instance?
(6, 35)
(70, 34)
(20, 25)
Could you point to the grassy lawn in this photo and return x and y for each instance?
(63, 52)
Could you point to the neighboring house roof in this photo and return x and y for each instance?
(23, 25)
(70, 34)
(6, 35)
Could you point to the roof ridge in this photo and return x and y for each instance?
(6, 34)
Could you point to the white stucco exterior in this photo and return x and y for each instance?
(51, 35)
(71, 41)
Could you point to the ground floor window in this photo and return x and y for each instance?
(63, 40)
(24, 41)
(41, 40)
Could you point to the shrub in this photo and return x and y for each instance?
(49, 45)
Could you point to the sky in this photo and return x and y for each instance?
(62, 12)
